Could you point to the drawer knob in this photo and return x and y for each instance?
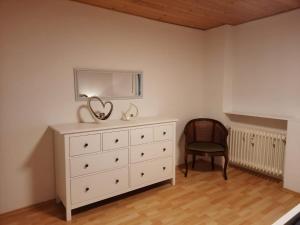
(117, 140)
(117, 159)
(87, 189)
(142, 154)
(85, 145)
(164, 133)
(86, 166)
(164, 149)
(117, 181)
(142, 136)
(164, 168)
(142, 174)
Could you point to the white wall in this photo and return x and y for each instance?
(216, 68)
(257, 64)
(291, 179)
(41, 42)
(266, 56)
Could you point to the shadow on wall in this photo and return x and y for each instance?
(180, 139)
(181, 146)
(41, 166)
(83, 113)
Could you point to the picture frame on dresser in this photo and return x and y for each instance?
(94, 162)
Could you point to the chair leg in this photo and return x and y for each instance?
(194, 160)
(212, 162)
(225, 166)
(186, 164)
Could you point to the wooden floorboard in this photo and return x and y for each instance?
(204, 197)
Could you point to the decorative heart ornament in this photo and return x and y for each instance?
(97, 114)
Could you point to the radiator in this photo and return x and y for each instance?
(258, 150)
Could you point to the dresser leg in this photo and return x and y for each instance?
(173, 181)
(68, 214)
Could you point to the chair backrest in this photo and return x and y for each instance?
(206, 130)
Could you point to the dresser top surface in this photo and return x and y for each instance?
(71, 128)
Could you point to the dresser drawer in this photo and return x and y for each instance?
(116, 139)
(98, 185)
(150, 171)
(141, 136)
(163, 132)
(84, 144)
(140, 153)
(97, 162)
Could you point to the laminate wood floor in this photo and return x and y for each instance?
(204, 197)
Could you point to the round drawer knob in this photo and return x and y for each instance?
(117, 140)
(87, 189)
(142, 174)
(86, 166)
(117, 159)
(117, 181)
(85, 145)
(164, 168)
(142, 154)
(142, 136)
(164, 149)
(164, 133)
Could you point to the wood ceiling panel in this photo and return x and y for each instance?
(200, 14)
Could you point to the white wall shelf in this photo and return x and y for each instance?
(260, 115)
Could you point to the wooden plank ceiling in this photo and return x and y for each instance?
(200, 14)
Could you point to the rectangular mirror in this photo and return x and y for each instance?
(108, 84)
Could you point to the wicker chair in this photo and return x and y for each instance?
(206, 137)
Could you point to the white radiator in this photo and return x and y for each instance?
(258, 150)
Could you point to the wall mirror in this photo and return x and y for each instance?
(108, 84)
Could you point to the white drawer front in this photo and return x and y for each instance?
(141, 136)
(93, 163)
(163, 132)
(150, 151)
(98, 185)
(148, 171)
(84, 144)
(116, 139)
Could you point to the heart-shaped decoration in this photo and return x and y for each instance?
(97, 114)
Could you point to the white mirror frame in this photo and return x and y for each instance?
(81, 98)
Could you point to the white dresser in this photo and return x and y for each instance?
(97, 161)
